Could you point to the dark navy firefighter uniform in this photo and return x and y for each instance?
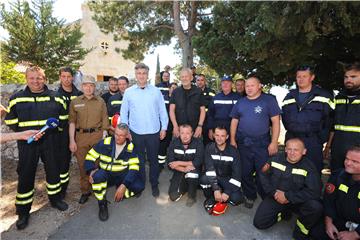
(341, 203)
(208, 95)
(185, 182)
(253, 138)
(222, 172)
(220, 108)
(114, 105)
(302, 186)
(309, 120)
(346, 126)
(114, 170)
(164, 144)
(29, 110)
(164, 88)
(65, 153)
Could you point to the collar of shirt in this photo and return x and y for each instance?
(145, 87)
(83, 97)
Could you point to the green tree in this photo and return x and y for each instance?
(9, 75)
(146, 24)
(36, 36)
(272, 38)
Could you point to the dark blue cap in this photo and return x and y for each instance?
(226, 78)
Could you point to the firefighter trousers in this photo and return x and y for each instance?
(46, 149)
(235, 197)
(181, 183)
(65, 158)
(270, 212)
(104, 179)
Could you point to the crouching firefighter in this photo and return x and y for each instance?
(118, 165)
(291, 183)
(185, 156)
(221, 182)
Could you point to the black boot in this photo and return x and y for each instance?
(84, 197)
(103, 210)
(191, 194)
(22, 221)
(59, 204)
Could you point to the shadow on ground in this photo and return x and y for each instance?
(150, 218)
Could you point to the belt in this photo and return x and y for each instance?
(87, 130)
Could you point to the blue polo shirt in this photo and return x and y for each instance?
(144, 110)
(254, 114)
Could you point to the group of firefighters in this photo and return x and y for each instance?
(227, 143)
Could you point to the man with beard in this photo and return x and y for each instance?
(115, 101)
(346, 130)
(113, 89)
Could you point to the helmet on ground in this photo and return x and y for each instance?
(219, 208)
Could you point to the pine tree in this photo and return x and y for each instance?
(36, 36)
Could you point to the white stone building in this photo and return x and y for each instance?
(103, 61)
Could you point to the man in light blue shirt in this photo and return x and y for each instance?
(143, 109)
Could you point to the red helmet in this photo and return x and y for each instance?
(219, 208)
(115, 120)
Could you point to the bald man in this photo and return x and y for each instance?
(291, 183)
(252, 117)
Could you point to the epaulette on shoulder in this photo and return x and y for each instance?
(107, 141)
(130, 147)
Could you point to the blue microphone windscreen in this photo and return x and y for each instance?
(52, 122)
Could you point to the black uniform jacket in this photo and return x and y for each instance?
(28, 110)
(299, 181)
(194, 152)
(224, 165)
(342, 198)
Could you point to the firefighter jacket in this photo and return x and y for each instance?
(164, 88)
(68, 96)
(300, 181)
(127, 161)
(223, 165)
(29, 110)
(194, 152)
(312, 118)
(208, 94)
(342, 199)
(114, 104)
(220, 108)
(346, 121)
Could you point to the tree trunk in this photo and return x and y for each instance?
(187, 52)
(184, 38)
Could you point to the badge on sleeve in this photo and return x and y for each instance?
(329, 188)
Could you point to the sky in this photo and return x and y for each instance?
(70, 10)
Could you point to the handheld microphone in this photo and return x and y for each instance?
(50, 123)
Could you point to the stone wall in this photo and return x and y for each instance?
(9, 150)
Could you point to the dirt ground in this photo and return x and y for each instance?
(43, 219)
